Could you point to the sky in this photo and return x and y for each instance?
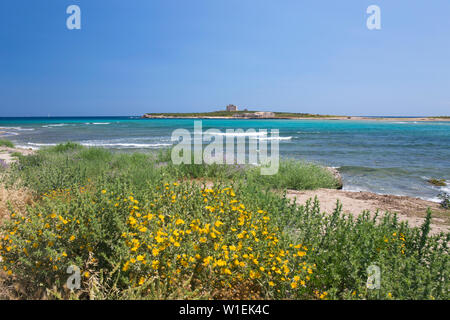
(137, 56)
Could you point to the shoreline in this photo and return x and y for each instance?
(345, 118)
(6, 154)
(411, 209)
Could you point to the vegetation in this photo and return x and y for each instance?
(6, 143)
(231, 113)
(445, 200)
(138, 227)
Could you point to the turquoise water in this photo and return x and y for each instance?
(382, 157)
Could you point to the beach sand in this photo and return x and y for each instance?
(412, 210)
(6, 154)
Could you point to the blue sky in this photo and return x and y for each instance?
(137, 56)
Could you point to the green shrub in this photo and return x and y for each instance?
(172, 234)
(297, 175)
(6, 143)
(112, 204)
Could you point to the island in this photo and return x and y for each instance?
(231, 112)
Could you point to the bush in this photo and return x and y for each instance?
(6, 143)
(136, 231)
(445, 200)
(297, 175)
(174, 234)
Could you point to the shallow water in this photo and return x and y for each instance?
(382, 157)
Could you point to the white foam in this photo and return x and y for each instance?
(20, 146)
(42, 144)
(16, 128)
(5, 134)
(237, 134)
(446, 188)
(55, 125)
(308, 132)
(274, 138)
(125, 145)
(435, 199)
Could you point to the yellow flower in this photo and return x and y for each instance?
(202, 239)
(207, 260)
(301, 253)
(140, 257)
(179, 221)
(103, 191)
(72, 238)
(221, 263)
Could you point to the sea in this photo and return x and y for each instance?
(385, 157)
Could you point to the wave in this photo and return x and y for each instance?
(5, 134)
(97, 123)
(309, 132)
(55, 125)
(252, 135)
(236, 134)
(17, 128)
(41, 144)
(274, 138)
(446, 188)
(120, 145)
(125, 145)
(35, 146)
(360, 170)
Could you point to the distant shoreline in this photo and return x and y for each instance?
(312, 117)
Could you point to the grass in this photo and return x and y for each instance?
(140, 228)
(6, 143)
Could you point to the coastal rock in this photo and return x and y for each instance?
(337, 176)
(437, 182)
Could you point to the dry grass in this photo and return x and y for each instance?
(19, 199)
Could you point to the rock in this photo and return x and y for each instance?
(337, 176)
(437, 182)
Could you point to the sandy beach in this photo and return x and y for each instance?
(6, 154)
(412, 210)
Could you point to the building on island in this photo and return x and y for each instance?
(255, 115)
(265, 114)
(231, 108)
